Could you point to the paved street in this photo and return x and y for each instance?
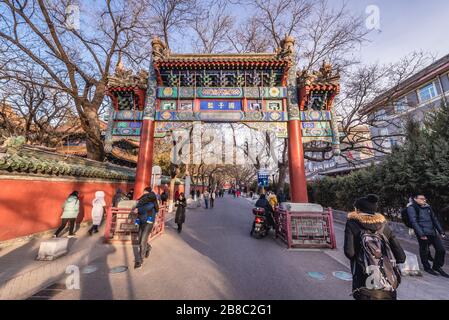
(214, 258)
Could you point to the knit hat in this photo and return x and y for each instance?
(367, 204)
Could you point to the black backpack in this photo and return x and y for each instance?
(378, 262)
(405, 218)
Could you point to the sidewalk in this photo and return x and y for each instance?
(427, 287)
(21, 275)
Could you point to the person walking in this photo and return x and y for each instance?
(272, 199)
(98, 210)
(281, 196)
(374, 277)
(180, 216)
(119, 196)
(206, 196)
(71, 209)
(164, 197)
(147, 207)
(212, 198)
(429, 232)
(130, 194)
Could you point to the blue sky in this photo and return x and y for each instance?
(405, 26)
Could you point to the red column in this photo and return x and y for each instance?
(298, 184)
(145, 159)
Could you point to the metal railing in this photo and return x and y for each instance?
(120, 225)
(305, 229)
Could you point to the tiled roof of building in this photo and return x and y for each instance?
(120, 154)
(18, 158)
(163, 58)
(222, 60)
(81, 151)
(76, 127)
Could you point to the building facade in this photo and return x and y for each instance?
(413, 98)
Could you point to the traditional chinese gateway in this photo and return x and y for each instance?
(261, 89)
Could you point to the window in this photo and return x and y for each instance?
(380, 115)
(401, 106)
(427, 92)
(394, 142)
(383, 132)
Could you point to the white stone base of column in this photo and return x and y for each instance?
(411, 266)
(302, 207)
(52, 249)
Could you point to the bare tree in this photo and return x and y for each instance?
(279, 18)
(330, 34)
(75, 61)
(364, 84)
(322, 33)
(211, 28)
(168, 17)
(249, 36)
(36, 112)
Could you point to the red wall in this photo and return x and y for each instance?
(32, 206)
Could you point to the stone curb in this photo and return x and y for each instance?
(37, 236)
(26, 284)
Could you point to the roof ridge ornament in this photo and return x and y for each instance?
(325, 74)
(287, 47)
(13, 144)
(119, 68)
(125, 78)
(160, 49)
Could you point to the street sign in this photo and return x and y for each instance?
(262, 178)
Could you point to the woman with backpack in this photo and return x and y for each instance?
(374, 251)
(71, 209)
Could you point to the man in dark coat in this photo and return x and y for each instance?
(147, 207)
(180, 216)
(265, 204)
(281, 196)
(366, 218)
(428, 231)
(119, 196)
(130, 194)
(164, 197)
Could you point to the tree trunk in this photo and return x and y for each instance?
(91, 126)
(282, 175)
(283, 167)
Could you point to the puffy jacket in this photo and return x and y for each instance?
(146, 199)
(265, 204)
(71, 208)
(355, 224)
(424, 223)
(273, 201)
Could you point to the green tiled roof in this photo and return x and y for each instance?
(16, 157)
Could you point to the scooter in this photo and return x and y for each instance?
(260, 227)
